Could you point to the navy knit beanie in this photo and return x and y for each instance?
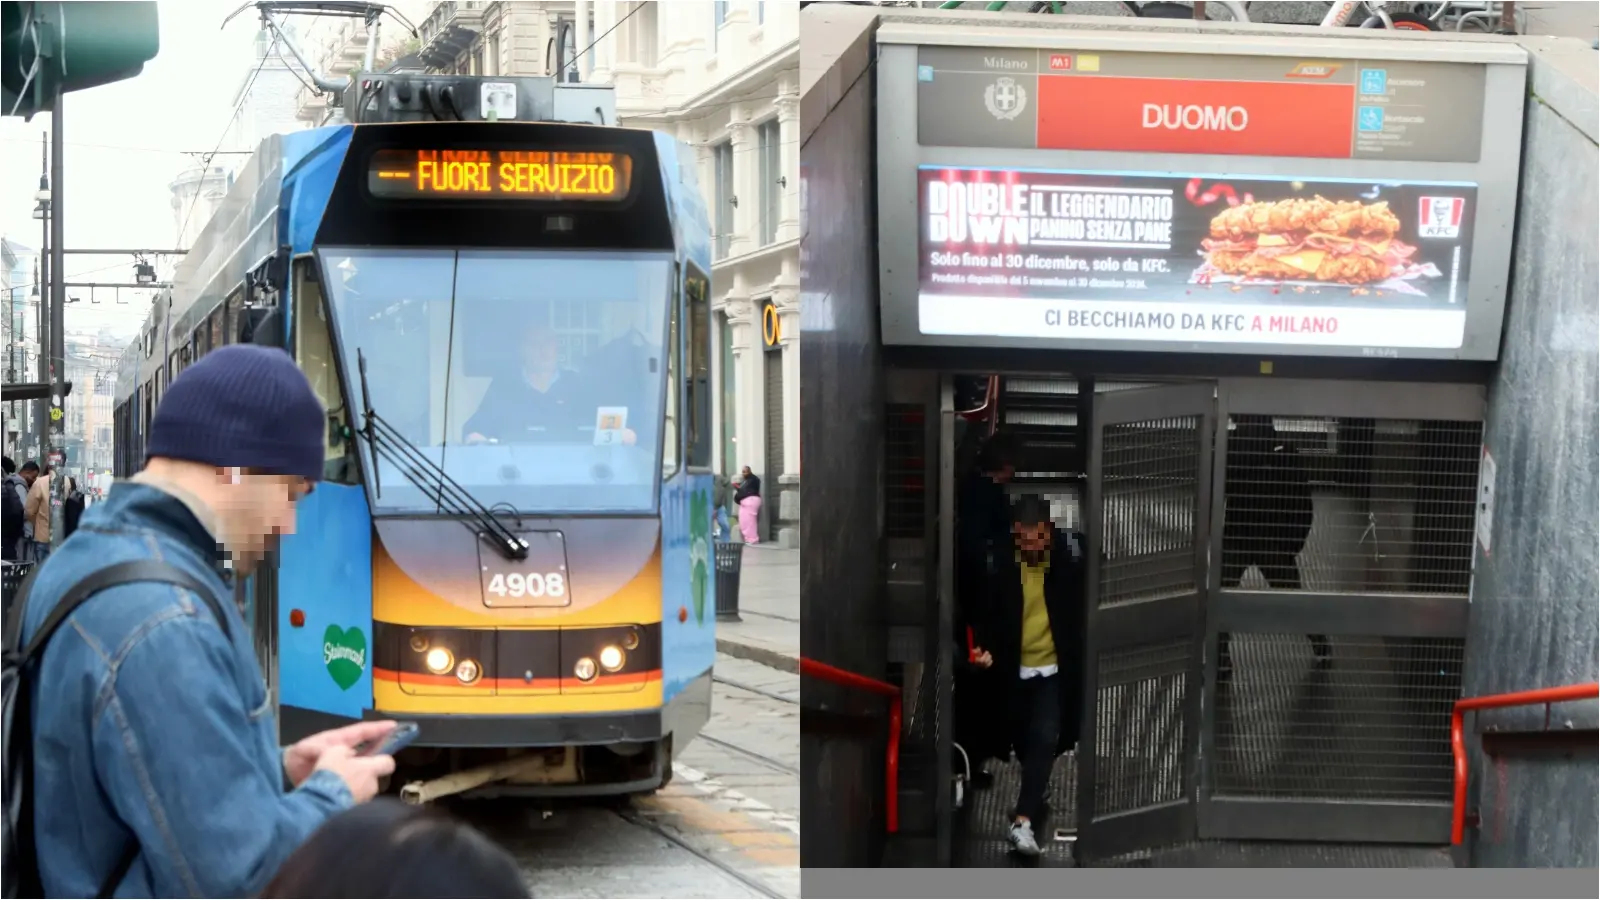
(242, 405)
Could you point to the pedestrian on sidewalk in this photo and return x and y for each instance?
(71, 508)
(157, 766)
(748, 498)
(38, 510)
(14, 491)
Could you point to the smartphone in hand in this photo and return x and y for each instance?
(395, 741)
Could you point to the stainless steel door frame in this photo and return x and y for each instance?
(1123, 706)
(941, 453)
(1402, 616)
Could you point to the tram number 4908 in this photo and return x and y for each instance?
(533, 584)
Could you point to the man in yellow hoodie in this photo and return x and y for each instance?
(1032, 625)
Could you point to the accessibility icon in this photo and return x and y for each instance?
(1370, 118)
(1374, 81)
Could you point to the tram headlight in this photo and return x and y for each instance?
(611, 658)
(585, 669)
(631, 640)
(468, 671)
(439, 661)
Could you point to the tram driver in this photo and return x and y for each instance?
(536, 403)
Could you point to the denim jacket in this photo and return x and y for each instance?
(150, 727)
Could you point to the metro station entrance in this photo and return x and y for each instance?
(1246, 364)
(1277, 584)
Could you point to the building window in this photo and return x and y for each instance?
(719, 18)
(761, 13)
(492, 61)
(645, 35)
(771, 174)
(722, 223)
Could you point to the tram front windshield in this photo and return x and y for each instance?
(533, 379)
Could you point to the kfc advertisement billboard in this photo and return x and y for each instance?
(1193, 259)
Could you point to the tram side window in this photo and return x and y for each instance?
(697, 290)
(313, 349)
(671, 457)
(214, 326)
(235, 316)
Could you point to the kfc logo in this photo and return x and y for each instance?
(1440, 217)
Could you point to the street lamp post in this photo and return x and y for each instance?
(41, 289)
(58, 309)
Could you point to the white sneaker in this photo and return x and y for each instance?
(1022, 839)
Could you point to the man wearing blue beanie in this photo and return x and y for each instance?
(157, 770)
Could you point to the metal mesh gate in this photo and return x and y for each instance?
(1338, 609)
(1149, 467)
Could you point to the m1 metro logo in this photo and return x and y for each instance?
(1440, 217)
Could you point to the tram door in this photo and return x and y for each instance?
(1147, 520)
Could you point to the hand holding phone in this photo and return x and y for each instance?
(395, 741)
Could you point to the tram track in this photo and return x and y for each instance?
(739, 685)
(634, 818)
(777, 765)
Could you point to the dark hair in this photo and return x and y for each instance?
(387, 849)
(30, 466)
(998, 452)
(9, 466)
(1030, 509)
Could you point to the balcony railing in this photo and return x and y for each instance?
(449, 31)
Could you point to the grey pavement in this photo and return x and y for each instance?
(769, 609)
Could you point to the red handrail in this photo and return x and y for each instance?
(1458, 746)
(825, 672)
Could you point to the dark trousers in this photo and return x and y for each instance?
(1039, 703)
(1282, 572)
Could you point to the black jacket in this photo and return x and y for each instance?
(984, 522)
(997, 626)
(71, 513)
(750, 486)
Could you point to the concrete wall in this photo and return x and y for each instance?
(842, 430)
(1534, 605)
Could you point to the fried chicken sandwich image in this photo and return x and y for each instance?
(1316, 239)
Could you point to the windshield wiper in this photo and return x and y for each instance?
(387, 441)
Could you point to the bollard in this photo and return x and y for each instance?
(730, 561)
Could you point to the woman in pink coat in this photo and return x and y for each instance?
(747, 497)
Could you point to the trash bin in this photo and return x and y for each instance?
(12, 574)
(730, 560)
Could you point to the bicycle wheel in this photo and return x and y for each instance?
(1403, 21)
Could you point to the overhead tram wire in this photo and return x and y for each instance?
(243, 96)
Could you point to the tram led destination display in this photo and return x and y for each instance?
(499, 175)
(1193, 259)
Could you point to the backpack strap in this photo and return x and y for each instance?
(136, 570)
(111, 576)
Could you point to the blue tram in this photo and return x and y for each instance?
(509, 326)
